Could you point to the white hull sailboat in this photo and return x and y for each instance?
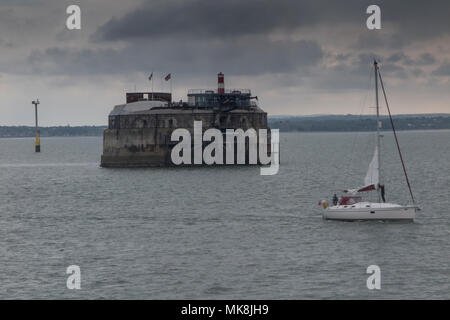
(351, 207)
(371, 211)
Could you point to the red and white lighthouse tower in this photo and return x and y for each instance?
(220, 83)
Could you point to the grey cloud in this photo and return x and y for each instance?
(424, 59)
(417, 72)
(70, 62)
(442, 71)
(342, 57)
(399, 57)
(372, 40)
(6, 43)
(354, 72)
(396, 65)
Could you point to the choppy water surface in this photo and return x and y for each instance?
(220, 233)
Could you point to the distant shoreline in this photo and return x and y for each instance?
(321, 123)
(53, 131)
(363, 123)
(306, 132)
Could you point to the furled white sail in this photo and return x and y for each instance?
(372, 176)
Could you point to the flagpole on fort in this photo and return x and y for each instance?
(152, 85)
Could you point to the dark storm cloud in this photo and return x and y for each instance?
(415, 19)
(203, 35)
(240, 58)
(205, 18)
(237, 37)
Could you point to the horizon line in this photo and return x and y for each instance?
(269, 116)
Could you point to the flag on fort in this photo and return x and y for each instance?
(151, 76)
(167, 78)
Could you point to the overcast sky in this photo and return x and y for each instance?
(299, 57)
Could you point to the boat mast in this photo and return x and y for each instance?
(375, 63)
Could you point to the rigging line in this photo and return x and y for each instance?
(355, 137)
(395, 136)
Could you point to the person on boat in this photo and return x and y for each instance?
(335, 199)
(381, 186)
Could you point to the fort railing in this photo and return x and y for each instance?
(211, 91)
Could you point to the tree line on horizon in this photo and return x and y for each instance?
(351, 123)
(55, 131)
(346, 123)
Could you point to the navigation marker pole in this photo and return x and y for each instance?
(38, 142)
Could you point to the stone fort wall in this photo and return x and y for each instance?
(143, 140)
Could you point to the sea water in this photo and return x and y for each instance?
(221, 232)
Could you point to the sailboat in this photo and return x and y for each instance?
(351, 206)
